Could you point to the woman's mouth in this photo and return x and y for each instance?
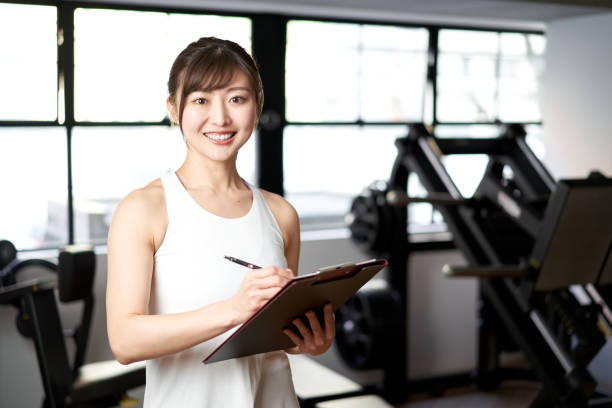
(220, 137)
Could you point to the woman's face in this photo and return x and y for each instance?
(217, 123)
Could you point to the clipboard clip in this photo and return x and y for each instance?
(336, 272)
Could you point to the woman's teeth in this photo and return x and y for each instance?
(219, 136)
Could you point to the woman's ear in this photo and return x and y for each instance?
(172, 111)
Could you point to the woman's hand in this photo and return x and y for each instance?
(316, 341)
(257, 287)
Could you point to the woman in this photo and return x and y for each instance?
(172, 298)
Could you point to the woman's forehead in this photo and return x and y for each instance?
(235, 79)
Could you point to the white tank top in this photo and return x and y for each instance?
(190, 272)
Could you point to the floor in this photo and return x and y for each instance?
(510, 394)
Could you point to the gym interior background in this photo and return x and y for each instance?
(83, 93)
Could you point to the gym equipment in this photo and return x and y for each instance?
(531, 241)
(101, 384)
(364, 323)
(8, 254)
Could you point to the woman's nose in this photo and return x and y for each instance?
(218, 113)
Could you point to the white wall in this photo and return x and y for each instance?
(577, 96)
(577, 113)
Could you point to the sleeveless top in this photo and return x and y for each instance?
(190, 272)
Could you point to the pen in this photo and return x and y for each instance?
(241, 262)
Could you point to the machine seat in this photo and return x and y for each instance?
(96, 379)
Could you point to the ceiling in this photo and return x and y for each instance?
(520, 14)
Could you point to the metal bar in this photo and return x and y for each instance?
(396, 363)
(485, 271)
(398, 198)
(529, 173)
(417, 155)
(561, 355)
(528, 337)
(450, 146)
(50, 346)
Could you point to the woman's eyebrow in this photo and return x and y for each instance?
(239, 88)
(230, 89)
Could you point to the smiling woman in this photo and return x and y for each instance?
(171, 296)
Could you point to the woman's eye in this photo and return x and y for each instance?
(236, 99)
(200, 101)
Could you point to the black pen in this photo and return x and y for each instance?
(241, 262)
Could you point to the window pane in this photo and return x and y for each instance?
(487, 76)
(321, 71)
(122, 75)
(109, 162)
(468, 42)
(344, 72)
(33, 210)
(326, 167)
(28, 62)
(393, 73)
(466, 76)
(521, 67)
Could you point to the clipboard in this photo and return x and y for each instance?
(263, 332)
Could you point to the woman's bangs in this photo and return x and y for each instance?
(207, 77)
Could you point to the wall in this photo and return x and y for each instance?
(577, 96)
(576, 108)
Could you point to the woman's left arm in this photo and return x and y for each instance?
(318, 338)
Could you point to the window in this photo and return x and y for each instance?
(33, 165)
(489, 76)
(360, 84)
(339, 72)
(351, 89)
(28, 62)
(121, 139)
(327, 166)
(121, 76)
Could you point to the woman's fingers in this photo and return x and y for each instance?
(330, 322)
(270, 271)
(314, 339)
(318, 336)
(297, 340)
(304, 331)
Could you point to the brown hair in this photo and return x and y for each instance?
(209, 63)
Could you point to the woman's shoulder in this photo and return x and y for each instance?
(279, 206)
(148, 197)
(285, 214)
(145, 203)
(142, 213)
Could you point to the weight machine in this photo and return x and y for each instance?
(101, 384)
(531, 242)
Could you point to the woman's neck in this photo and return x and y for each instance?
(218, 176)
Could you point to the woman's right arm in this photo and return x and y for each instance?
(133, 334)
